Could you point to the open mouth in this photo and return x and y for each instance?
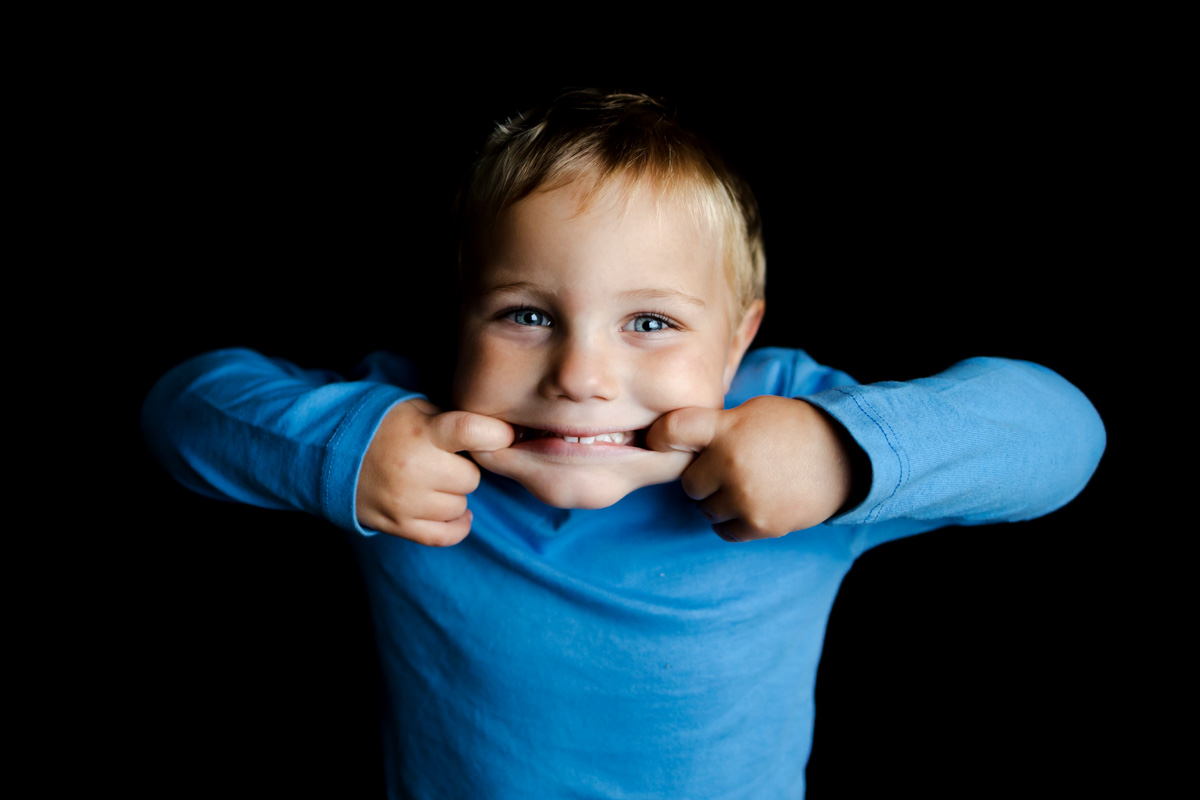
(622, 438)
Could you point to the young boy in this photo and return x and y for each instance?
(576, 629)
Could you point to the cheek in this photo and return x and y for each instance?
(679, 377)
(484, 371)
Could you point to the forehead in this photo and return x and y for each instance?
(624, 235)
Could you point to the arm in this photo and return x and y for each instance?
(986, 441)
(236, 425)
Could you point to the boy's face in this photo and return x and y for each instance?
(595, 324)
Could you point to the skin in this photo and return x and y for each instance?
(614, 319)
(634, 323)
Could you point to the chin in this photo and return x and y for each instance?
(577, 494)
(588, 485)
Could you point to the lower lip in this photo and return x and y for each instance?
(556, 446)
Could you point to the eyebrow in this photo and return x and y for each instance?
(643, 295)
(517, 286)
(649, 295)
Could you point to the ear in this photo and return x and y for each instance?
(742, 338)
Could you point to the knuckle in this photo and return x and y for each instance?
(466, 426)
(769, 528)
(468, 429)
(679, 421)
(730, 461)
(672, 423)
(407, 419)
(400, 466)
(462, 476)
(450, 534)
(457, 537)
(422, 405)
(759, 522)
(438, 540)
(757, 400)
(421, 535)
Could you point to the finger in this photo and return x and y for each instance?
(455, 475)
(702, 479)
(734, 527)
(440, 507)
(689, 429)
(733, 531)
(434, 533)
(725, 515)
(455, 431)
(399, 485)
(718, 508)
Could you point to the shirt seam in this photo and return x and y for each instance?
(334, 441)
(892, 441)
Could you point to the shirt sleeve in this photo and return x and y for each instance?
(988, 440)
(238, 426)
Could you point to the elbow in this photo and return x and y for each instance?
(1090, 441)
(1074, 438)
(1050, 438)
(163, 423)
(172, 410)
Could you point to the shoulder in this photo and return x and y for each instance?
(782, 372)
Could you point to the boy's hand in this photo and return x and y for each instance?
(770, 466)
(412, 484)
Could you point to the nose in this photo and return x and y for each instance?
(582, 368)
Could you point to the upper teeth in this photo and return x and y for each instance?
(620, 437)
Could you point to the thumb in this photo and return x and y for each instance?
(455, 431)
(687, 429)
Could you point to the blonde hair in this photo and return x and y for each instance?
(604, 138)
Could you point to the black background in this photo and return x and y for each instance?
(913, 217)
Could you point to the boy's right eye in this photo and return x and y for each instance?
(528, 316)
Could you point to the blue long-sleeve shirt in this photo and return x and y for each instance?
(627, 651)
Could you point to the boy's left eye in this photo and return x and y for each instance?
(647, 323)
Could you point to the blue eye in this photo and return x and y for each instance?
(529, 316)
(648, 323)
